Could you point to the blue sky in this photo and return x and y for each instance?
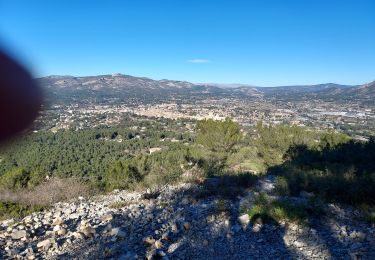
(263, 43)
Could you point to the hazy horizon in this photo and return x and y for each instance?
(221, 84)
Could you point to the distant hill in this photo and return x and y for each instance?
(302, 88)
(118, 88)
(365, 93)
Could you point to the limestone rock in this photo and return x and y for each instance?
(266, 184)
(19, 234)
(45, 244)
(148, 240)
(106, 218)
(88, 231)
(244, 219)
(61, 232)
(117, 232)
(57, 222)
(158, 244)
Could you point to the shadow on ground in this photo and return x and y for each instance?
(202, 223)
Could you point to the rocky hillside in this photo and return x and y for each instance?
(120, 88)
(181, 222)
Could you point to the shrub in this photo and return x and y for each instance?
(121, 176)
(275, 211)
(17, 210)
(15, 179)
(337, 170)
(258, 211)
(370, 217)
(36, 178)
(287, 210)
(261, 199)
(218, 136)
(282, 187)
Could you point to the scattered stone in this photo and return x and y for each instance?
(173, 247)
(165, 236)
(61, 232)
(149, 240)
(57, 222)
(56, 228)
(256, 228)
(158, 244)
(187, 226)
(107, 218)
(266, 184)
(30, 257)
(244, 219)
(74, 216)
(357, 235)
(78, 235)
(174, 228)
(45, 244)
(88, 231)
(297, 243)
(214, 234)
(117, 232)
(19, 234)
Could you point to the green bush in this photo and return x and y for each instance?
(165, 167)
(121, 176)
(275, 211)
(331, 184)
(218, 136)
(17, 210)
(15, 179)
(281, 186)
(286, 210)
(36, 178)
(154, 170)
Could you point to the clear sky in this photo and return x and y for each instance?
(263, 43)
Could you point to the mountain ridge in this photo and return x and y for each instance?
(123, 86)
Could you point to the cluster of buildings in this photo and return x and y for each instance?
(350, 118)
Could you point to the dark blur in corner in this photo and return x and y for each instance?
(20, 98)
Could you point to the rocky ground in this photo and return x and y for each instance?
(174, 223)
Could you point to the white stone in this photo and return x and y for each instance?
(19, 234)
(117, 232)
(45, 244)
(244, 219)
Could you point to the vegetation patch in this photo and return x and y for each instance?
(339, 173)
(120, 204)
(224, 157)
(275, 211)
(17, 210)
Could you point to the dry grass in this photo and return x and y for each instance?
(121, 204)
(47, 193)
